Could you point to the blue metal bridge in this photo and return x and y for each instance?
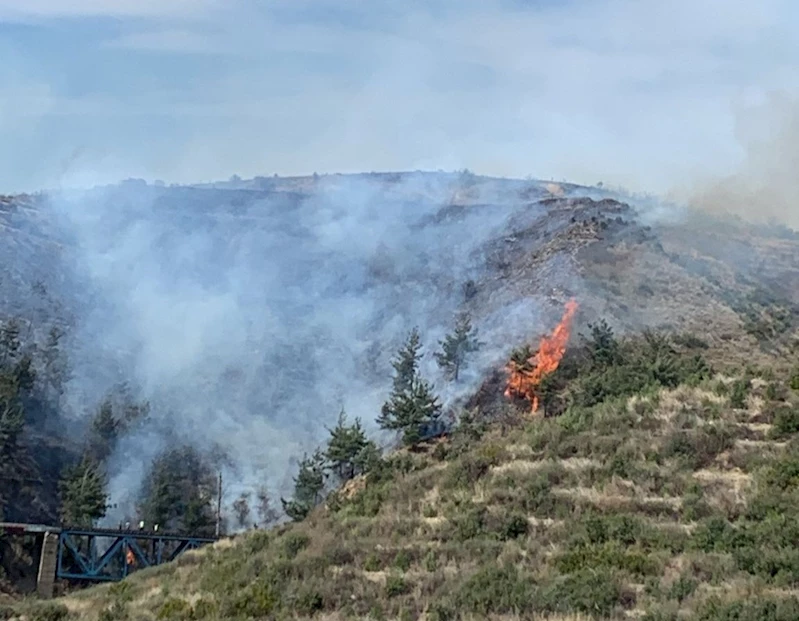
(101, 554)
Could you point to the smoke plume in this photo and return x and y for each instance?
(765, 188)
(250, 314)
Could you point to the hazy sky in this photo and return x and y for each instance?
(639, 92)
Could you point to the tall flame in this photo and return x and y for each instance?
(525, 377)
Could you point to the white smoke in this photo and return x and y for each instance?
(248, 318)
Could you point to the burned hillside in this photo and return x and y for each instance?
(253, 315)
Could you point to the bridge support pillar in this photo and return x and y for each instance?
(47, 566)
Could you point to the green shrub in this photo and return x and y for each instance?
(682, 588)
(588, 591)
(402, 560)
(786, 422)
(175, 608)
(430, 561)
(470, 523)
(258, 600)
(698, 448)
(396, 585)
(293, 543)
(48, 611)
(496, 589)
(512, 526)
(307, 601)
(372, 563)
(740, 388)
(471, 467)
(753, 609)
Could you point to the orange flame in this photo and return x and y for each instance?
(130, 558)
(524, 378)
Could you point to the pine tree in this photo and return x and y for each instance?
(267, 514)
(411, 408)
(368, 459)
(411, 411)
(103, 433)
(308, 486)
(406, 362)
(343, 447)
(83, 494)
(241, 507)
(56, 368)
(457, 346)
(179, 492)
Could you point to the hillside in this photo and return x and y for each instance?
(665, 464)
(673, 502)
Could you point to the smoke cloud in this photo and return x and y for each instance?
(249, 318)
(765, 187)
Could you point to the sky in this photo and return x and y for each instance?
(642, 93)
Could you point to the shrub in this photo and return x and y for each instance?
(713, 535)
(786, 422)
(293, 543)
(471, 467)
(512, 526)
(496, 589)
(402, 560)
(307, 601)
(258, 600)
(470, 523)
(589, 591)
(740, 388)
(372, 563)
(753, 609)
(49, 611)
(175, 608)
(682, 588)
(698, 447)
(396, 585)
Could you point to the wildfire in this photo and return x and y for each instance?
(525, 376)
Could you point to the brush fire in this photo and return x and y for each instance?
(526, 373)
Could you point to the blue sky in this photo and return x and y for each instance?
(645, 93)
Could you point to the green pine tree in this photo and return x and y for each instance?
(103, 433)
(406, 362)
(241, 508)
(83, 494)
(343, 447)
(179, 492)
(411, 411)
(368, 459)
(308, 486)
(55, 371)
(411, 406)
(267, 514)
(456, 347)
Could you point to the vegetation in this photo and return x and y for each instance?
(412, 408)
(656, 494)
(456, 347)
(660, 484)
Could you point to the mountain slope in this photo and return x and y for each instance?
(674, 501)
(169, 287)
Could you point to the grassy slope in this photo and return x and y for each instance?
(671, 502)
(667, 502)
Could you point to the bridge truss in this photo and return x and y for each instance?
(100, 555)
